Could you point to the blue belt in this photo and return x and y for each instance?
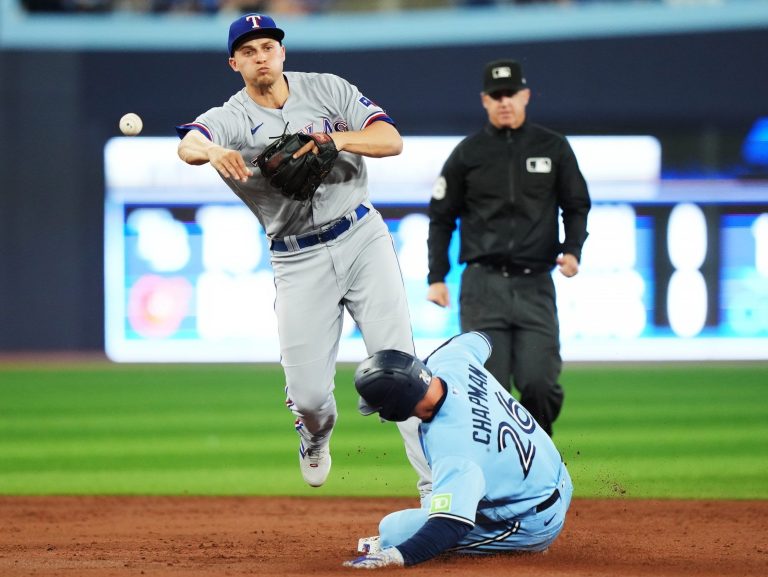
(292, 244)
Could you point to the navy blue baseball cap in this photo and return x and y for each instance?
(252, 26)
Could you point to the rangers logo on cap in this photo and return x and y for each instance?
(252, 26)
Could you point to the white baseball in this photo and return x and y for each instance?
(131, 124)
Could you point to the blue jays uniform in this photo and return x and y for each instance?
(493, 467)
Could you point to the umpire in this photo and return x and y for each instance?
(506, 185)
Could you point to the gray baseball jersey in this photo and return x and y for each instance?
(357, 270)
(317, 103)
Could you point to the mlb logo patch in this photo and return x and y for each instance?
(539, 165)
(501, 72)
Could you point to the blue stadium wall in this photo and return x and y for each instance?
(698, 92)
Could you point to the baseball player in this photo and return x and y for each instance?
(330, 252)
(499, 483)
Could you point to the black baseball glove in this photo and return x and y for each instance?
(297, 178)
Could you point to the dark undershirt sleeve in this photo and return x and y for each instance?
(437, 535)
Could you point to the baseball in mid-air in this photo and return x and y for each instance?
(131, 124)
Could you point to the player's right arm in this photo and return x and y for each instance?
(196, 149)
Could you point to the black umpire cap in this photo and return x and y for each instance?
(503, 75)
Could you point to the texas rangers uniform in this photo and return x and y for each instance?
(329, 254)
(493, 467)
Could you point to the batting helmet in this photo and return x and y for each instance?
(391, 383)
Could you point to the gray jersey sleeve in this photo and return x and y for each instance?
(359, 110)
(316, 103)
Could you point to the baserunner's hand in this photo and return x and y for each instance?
(388, 557)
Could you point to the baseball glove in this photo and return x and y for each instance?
(297, 178)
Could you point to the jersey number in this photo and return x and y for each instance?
(525, 452)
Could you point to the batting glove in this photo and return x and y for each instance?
(390, 556)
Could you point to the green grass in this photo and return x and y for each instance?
(643, 430)
(668, 431)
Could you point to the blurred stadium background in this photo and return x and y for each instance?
(688, 74)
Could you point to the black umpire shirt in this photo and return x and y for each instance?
(506, 187)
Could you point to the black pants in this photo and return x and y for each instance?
(519, 314)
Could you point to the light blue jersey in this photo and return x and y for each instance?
(493, 467)
(505, 463)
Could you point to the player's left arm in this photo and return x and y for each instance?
(434, 537)
(458, 486)
(370, 131)
(377, 140)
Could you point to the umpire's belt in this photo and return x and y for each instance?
(548, 502)
(509, 269)
(336, 229)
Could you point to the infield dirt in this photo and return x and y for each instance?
(302, 537)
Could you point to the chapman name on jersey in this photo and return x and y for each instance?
(501, 467)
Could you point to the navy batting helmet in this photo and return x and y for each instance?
(391, 383)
